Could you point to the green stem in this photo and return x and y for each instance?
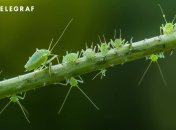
(128, 52)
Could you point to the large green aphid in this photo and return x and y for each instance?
(15, 99)
(73, 82)
(153, 59)
(41, 57)
(168, 28)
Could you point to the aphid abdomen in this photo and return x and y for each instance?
(37, 59)
(168, 29)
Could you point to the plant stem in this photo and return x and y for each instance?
(126, 53)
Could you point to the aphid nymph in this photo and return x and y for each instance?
(89, 53)
(73, 82)
(15, 99)
(118, 42)
(104, 46)
(40, 58)
(153, 59)
(70, 57)
(168, 28)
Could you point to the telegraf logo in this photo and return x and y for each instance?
(17, 8)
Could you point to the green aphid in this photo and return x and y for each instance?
(118, 42)
(102, 73)
(168, 28)
(70, 57)
(103, 47)
(89, 53)
(153, 59)
(40, 58)
(73, 82)
(15, 99)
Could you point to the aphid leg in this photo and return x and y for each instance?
(164, 81)
(51, 59)
(102, 72)
(88, 98)
(40, 68)
(161, 28)
(50, 63)
(64, 84)
(172, 51)
(96, 75)
(81, 80)
(50, 44)
(22, 97)
(49, 68)
(5, 107)
(145, 72)
(65, 99)
(24, 111)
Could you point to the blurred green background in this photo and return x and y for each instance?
(123, 104)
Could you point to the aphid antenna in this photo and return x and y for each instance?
(50, 44)
(5, 107)
(145, 72)
(115, 33)
(88, 98)
(162, 13)
(104, 38)
(99, 39)
(120, 36)
(65, 99)
(173, 19)
(91, 45)
(62, 34)
(86, 45)
(24, 111)
(162, 75)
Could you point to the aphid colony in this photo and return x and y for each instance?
(166, 29)
(40, 60)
